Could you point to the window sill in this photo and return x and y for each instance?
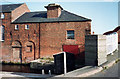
(16, 29)
(70, 39)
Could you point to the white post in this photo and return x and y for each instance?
(49, 72)
(43, 72)
(65, 69)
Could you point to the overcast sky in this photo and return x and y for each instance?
(104, 14)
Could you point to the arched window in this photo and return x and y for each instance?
(2, 33)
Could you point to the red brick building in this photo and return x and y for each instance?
(26, 35)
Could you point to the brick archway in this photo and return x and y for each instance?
(29, 53)
(17, 51)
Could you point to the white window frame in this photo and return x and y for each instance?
(16, 27)
(26, 27)
(2, 36)
(2, 16)
(67, 35)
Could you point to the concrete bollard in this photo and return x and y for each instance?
(49, 72)
(43, 72)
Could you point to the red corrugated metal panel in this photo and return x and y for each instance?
(71, 49)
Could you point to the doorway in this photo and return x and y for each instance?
(17, 52)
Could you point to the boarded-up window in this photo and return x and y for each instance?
(16, 52)
(29, 48)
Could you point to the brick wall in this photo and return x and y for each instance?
(19, 11)
(28, 37)
(53, 12)
(6, 49)
(46, 39)
(21, 35)
(53, 36)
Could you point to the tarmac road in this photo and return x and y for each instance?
(113, 71)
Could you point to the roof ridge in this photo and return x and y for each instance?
(41, 17)
(112, 31)
(117, 28)
(37, 11)
(14, 4)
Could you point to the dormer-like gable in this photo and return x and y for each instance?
(15, 10)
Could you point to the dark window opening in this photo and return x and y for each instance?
(70, 34)
(87, 32)
(18, 36)
(11, 35)
(29, 48)
(28, 36)
(34, 32)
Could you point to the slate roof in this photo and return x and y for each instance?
(41, 16)
(9, 7)
(115, 30)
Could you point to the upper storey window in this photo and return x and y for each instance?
(26, 27)
(2, 16)
(16, 27)
(70, 34)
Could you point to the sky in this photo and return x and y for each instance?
(103, 13)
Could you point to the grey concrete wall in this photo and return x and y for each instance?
(95, 49)
(102, 53)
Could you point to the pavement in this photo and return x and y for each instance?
(29, 75)
(82, 72)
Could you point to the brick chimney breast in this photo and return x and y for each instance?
(53, 10)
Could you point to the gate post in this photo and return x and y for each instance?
(65, 69)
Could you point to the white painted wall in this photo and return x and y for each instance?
(111, 43)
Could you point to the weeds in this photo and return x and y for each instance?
(14, 63)
(117, 60)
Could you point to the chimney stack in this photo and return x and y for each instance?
(53, 10)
